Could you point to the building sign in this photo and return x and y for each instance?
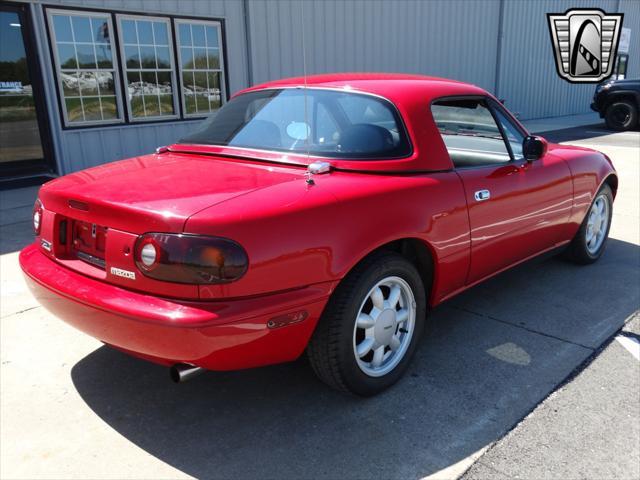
(625, 40)
(10, 86)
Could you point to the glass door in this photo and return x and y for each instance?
(23, 132)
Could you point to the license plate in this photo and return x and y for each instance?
(89, 241)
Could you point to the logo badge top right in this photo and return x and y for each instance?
(585, 43)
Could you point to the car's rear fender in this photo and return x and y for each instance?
(301, 235)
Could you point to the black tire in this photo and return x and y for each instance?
(331, 349)
(578, 251)
(621, 115)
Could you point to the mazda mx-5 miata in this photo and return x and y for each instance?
(325, 214)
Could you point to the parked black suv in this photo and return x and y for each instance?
(618, 102)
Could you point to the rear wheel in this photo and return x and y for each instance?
(371, 326)
(589, 243)
(621, 115)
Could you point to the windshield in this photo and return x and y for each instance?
(333, 124)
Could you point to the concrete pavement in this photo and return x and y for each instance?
(587, 429)
(559, 123)
(71, 408)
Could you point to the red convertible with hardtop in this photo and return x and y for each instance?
(324, 215)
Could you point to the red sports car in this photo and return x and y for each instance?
(325, 214)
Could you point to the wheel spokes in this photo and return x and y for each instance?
(364, 347)
(597, 224)
(384, 326)
(377, 298)
(365, 321)
(604, 220)
(601, 208)
(378, 356)
(394, 296)
(402, 315)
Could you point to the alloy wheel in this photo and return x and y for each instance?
(597, 224)
(384, 326)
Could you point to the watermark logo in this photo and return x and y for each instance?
(585, 43)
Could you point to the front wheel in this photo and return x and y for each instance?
(589, 243)
(371, 326)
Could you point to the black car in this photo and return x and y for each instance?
(618, 102)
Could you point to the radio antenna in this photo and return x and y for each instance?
(304, 73)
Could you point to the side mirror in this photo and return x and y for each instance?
(533, 147)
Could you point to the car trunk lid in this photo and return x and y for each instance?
(93, 218)
(157, 192)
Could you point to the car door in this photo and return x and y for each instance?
(517, 208)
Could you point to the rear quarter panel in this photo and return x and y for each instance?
(297, 234)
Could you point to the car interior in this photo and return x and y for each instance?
(472, 136)
(336, 123)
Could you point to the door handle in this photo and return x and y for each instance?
(482, 195)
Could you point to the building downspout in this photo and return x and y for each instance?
(496, 88)
(247, 40)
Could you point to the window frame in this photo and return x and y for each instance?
(398, 117)
(53, 45)
(112, 12)
(490, 105)
(222, 69)
(495, 106)
(119, 17)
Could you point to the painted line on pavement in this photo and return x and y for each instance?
(452, 472)
(631, 344)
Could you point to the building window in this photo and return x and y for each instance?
(149, 72)
(139, 81)
(201, 65)
(86, 68)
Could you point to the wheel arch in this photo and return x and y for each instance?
(418, 251)
(612, 181)
(622, 95)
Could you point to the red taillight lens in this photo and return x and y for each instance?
(37, 217)
(193, 259)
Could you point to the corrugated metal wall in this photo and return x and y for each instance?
(456, 39)
(501, 45)
(81, 148)
(631, 10)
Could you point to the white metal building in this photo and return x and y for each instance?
(83, 82)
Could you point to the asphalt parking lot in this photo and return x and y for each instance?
(523, 376)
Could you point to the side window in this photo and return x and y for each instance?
(512, 132)
(470, 133)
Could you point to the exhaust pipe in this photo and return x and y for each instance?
(181, 372)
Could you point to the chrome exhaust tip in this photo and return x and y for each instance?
(181, 372)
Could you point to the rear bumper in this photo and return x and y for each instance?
(217, 335)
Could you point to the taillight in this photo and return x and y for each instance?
(37, 217)
(193, 259)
